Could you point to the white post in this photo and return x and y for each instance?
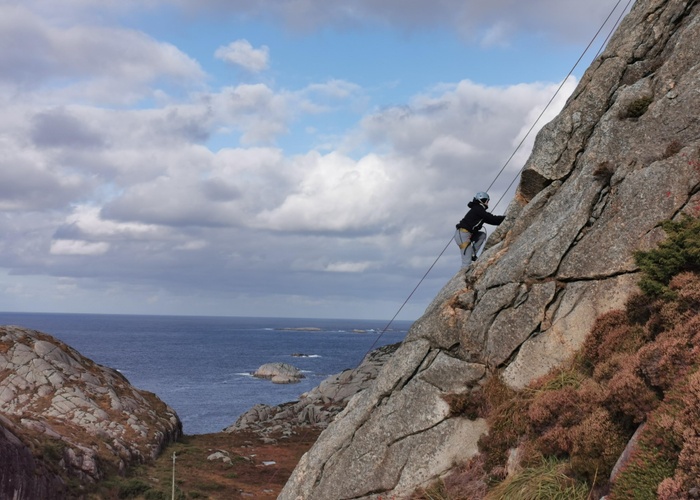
(173, 498)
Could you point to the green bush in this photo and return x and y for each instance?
(679, 252)
(156, 495)
(133, 488)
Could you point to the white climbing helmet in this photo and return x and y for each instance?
(482, 196)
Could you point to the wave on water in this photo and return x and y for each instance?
(300, 329)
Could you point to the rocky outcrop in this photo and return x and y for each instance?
(623, 156)
(279, 373)
(319, 406)
(64, 415)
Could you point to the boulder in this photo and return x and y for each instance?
(279, 373)
(620, 158)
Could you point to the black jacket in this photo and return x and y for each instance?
(477, 216)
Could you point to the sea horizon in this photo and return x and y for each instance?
(201, 366)
(295, 318)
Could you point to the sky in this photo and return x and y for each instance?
(275, 158)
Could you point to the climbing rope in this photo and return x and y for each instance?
(534, 124)
(522, 141)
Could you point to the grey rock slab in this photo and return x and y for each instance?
(580, 305)
(488, 305)
(641, 201)
(339, 435)
(452, 375)
(515, 324)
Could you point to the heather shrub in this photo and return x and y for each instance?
(687, 286)
(467, 481)
(672, 356)
(596, 444)
(628, 395)
(469, 404)
(572, 423)
(682, 422)
(606, 370)
(670, 489)
(639, 308)
(507, 423)
(686, 303)
(667, 462)
(556, 407)
(612, 334)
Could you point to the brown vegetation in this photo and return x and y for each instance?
(639, 369)
(255, 470)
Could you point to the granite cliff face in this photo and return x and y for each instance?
(63, 416)
(623, 156)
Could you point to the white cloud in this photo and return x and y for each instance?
(348, 267)
(242, 53)
(563, 19)
(336, 193)
(78, 247)
(256, 109)
(88, 219)
(88, 62)
(192, 245)
(497, 34)
(194, 191)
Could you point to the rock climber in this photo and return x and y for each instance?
(469, 237)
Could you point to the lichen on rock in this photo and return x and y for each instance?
(76, 418)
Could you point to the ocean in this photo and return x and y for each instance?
(201, 366)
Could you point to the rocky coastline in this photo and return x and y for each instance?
(67, 423)
(316, 408)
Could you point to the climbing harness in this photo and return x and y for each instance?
(465, 243)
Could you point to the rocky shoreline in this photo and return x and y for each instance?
(316, 408)
(68, 423)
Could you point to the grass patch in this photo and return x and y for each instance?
(548, 481)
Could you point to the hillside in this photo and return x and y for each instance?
(620, 419)
(621, 158)
(67, 422)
